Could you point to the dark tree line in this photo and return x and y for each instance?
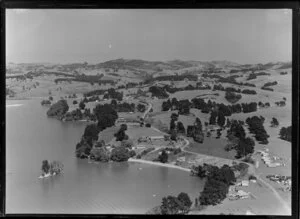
(188, 87)
(270, 84)
(173, 78)
(229, 79)
(122, 107)
(207, 107)
(256, 127)
(94, 92)
(158, 92)
(232, 89)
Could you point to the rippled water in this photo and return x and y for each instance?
(123, 188)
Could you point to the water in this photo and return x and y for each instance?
(116, 188)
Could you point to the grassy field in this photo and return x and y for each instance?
(108, 134)
(211, 146)
(136, 132)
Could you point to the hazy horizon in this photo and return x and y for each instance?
(243, 36)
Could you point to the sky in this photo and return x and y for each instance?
(245, 36)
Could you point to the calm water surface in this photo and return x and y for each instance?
(84, 187)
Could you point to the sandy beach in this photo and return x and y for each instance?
(158, 164)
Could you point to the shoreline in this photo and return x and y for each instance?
(158, 164)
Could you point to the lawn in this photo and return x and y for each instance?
(108, 134)
(211, 146)
(136, 132)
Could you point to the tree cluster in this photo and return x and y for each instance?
(122, 107)
(158, 92)
(232, 89)
(243, 145)
(209, 106)
(58, 109)
(232, 97)
(141, 108)
(163, 157)
(106, 115)
(172, 205)
(286, 133)
(120, 154)
(120, 135)
(256, 127)
(217, 183)
(113, 94)
(195, 131)
(274, 122)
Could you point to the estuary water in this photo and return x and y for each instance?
(88, 188)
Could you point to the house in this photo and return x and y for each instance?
(245, 183)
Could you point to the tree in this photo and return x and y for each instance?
(113, 102)
(45, 166)
(170, 205)
(91, 133)
(173, 135)
(172, 125)
(174, 116)
(286, 133)
(81, 105)
(50, 98)
(198, 124)
(120, 154)
(200, 171)
(75, 102)
(190, 130)
(106, 116)
(163, 157)
(186, 201)
(120, 135)
(180, 127)
(198, 136)
(221, 119)
(214, 192)
(245, 147)
(274, 122)
(212, 119)
(141, 107)
(100, 154)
